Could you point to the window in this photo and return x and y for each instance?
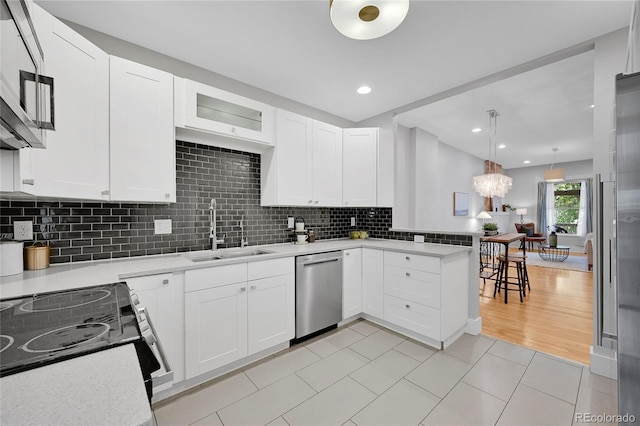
(566, 202)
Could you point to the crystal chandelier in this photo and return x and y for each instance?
(492, 184)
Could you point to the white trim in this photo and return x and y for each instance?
(604, 361)
(474, 326)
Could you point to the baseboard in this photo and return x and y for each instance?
(604, 362)
(474, 326)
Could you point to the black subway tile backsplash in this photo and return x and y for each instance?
(80, 231)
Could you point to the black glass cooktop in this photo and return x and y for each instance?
(40, 329)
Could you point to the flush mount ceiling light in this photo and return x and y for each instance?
(492, 184)
(364, 90)
(476, 130)
(366, 20)
(554, 175)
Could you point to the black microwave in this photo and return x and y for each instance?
(26, 96)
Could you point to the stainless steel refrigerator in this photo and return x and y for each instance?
(628, 241)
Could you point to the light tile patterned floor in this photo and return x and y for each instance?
(362, 374)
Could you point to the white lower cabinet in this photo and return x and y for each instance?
(216, 327)
(271, 312)
(351, 282)
(372, 282)
(425, 294)
(237, 310)
(161, 294)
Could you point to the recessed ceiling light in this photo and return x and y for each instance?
(363, 90)
(502, 146)
(526, 161)
(592, 106)
(476, 130)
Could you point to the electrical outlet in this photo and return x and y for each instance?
(23, 230)
(353, 221)
(418, 238)
(290, 222)
(162, 226)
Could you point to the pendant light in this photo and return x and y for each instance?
(492, 184)
(367, 19)
(554, 175)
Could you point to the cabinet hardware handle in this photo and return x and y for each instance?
(408, 306)
(310, 201)
(347, 254)
(407, 258)
(243, 289)
(28, 182)
(105, 192)
(167, 195)
(407, 274)
(253, 287)
(165, 281)
(233, 130)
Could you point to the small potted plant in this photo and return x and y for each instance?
(490, 228)
(507, 208)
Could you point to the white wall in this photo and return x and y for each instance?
(428, 172)
(524, 193)
(127, 50)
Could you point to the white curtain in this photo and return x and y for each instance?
(551, 209)
(582, 212)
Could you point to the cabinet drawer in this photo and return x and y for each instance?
(270, 268)
(412, 261)
(200, 279)
(413, 316)
(417, 286)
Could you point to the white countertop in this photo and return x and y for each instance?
(103, 388)
(82, 274)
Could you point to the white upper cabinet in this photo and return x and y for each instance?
(360, 167)
(76, 161)
(142, 142)
(212, 116)
(286, 175)
(326, 165)
(305, 168)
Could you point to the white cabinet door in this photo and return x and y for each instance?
(215, 328)
(351, 282)
(293, 159)
(155, 294)
(215, 110)
(359, 167)
(326, 165)
(142, 142)
(271, 312)
(76, 161)
(372, 282)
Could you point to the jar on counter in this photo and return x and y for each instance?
(312, 235)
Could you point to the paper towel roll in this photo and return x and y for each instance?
(11, 262)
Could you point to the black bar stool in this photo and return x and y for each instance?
(503, 263)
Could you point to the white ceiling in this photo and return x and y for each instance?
(290, 48)
(539, 110)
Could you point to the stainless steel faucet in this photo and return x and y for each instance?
(243, 241)
(213, 234)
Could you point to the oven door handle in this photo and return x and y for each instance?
(168, 375)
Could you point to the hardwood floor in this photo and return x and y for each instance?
(555, 317)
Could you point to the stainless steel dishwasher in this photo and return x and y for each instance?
(318, 292)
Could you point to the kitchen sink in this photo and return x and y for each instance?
(226, 254)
